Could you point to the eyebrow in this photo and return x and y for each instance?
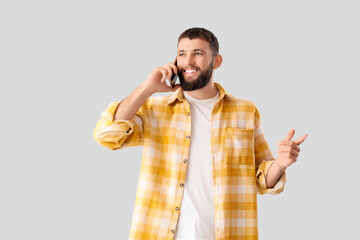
(194, 50)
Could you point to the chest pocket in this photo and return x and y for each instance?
(239, 146)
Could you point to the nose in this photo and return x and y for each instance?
(189, 60)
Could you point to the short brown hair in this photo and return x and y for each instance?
(204, 34)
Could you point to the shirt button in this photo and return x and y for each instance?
(177, 209)
(188, 113)
(181, 184)
(185, 160)
(172, 231)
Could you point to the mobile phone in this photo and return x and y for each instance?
(173, 78)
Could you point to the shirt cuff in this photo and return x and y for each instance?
(261, 180)
(114, 130)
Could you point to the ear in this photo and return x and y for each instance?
(217, 61)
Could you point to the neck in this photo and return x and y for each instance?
(207, 92)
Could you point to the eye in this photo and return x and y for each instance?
(181, 54)
(199, 53)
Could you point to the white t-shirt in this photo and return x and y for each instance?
(197, 211)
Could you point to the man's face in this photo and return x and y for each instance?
(195, 63)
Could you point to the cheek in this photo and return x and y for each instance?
(206, 64)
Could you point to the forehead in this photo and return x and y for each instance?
(186, 44)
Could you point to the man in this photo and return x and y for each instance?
(204, 153)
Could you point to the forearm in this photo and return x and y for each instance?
(273, 174)
(130, 105)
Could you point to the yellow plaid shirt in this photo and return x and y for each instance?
(240, 158)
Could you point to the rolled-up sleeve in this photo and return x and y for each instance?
(120, 133)
(261, 180)
(264, 159)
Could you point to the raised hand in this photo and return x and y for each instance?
(288, 150)
(156, 81)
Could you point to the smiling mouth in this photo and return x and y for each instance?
(190, 71)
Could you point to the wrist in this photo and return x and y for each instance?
(279, 166)
(146, 89)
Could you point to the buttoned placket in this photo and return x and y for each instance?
(213, 127)
(185, 160)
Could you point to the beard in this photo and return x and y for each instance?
(202, 80)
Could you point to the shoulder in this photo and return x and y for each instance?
(156, 102)
(244, 104)
(158, 99)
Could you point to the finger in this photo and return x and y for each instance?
(285, 150)
(287, 155)
(170, 71)
(173, 68)
(164, 74)
(292, 144)
(290, 134)
(301, 139)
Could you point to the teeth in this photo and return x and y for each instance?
(190, 71)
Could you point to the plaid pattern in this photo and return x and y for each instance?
(240, 156)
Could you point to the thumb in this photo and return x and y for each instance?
(289, 135)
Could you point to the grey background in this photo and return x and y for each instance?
(63, 62)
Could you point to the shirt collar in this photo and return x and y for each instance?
(178, 94)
